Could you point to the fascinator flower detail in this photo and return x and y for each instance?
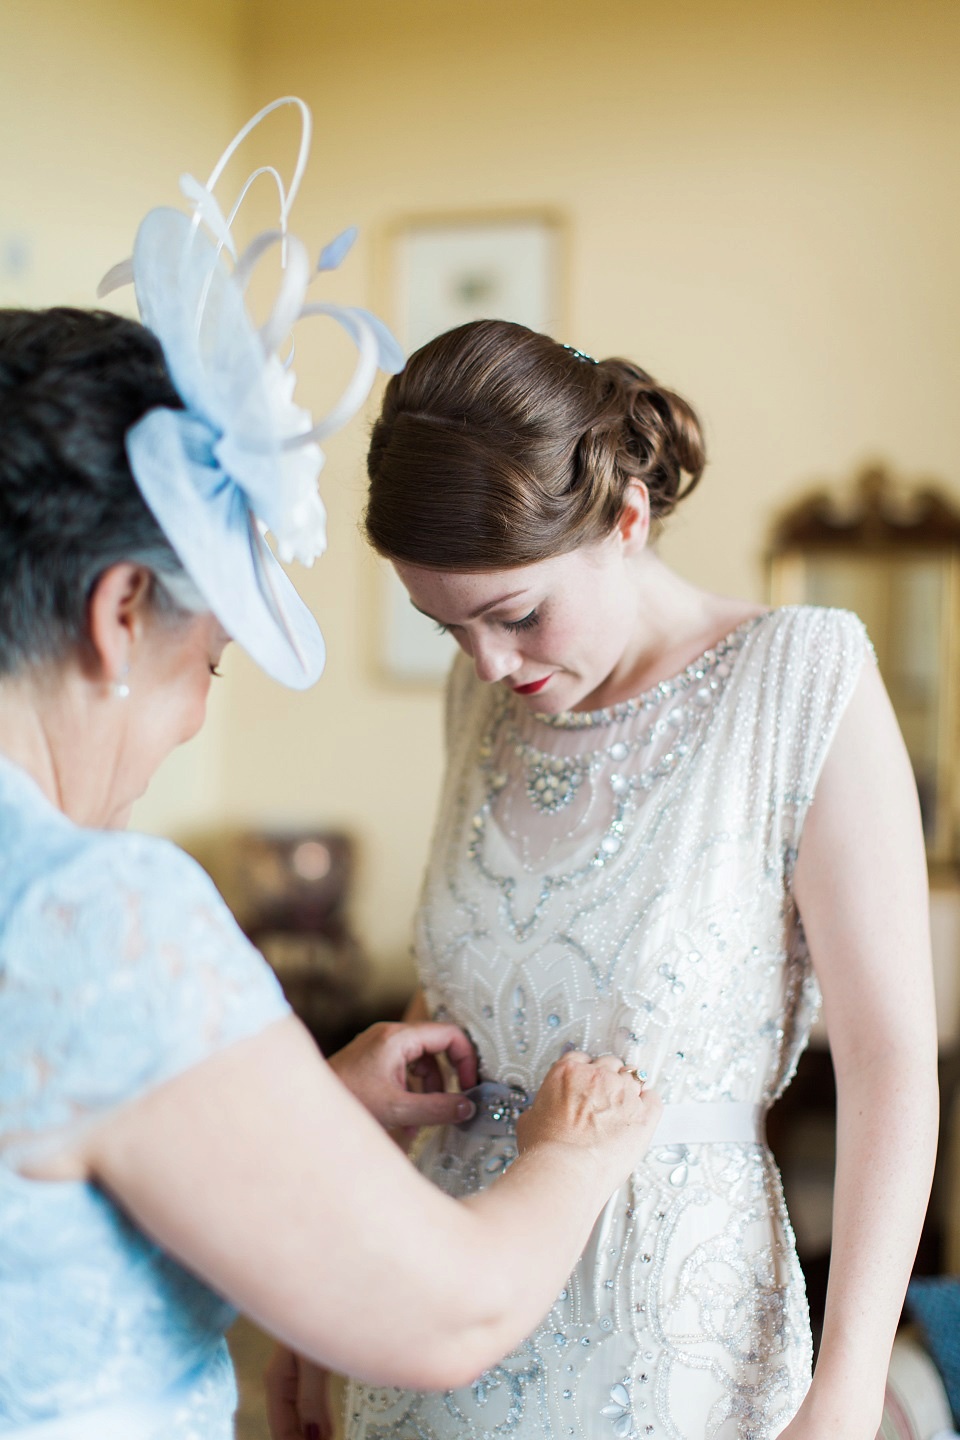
(240, 461)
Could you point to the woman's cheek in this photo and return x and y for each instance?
(195, 711)
(551, 642)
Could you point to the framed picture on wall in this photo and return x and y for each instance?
(448, 269)
(443, 271)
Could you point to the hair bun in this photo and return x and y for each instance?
(660, 437)
(498, 447)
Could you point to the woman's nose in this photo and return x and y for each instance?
(494, 658)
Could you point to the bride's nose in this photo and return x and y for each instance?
(494, 656)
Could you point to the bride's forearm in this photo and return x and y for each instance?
(886, 1144)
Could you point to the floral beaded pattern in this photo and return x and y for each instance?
(620, 881)
(622, 769)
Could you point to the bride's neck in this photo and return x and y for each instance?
(676, 622)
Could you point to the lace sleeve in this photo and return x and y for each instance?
(121, 968)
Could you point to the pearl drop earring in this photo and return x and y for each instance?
(119, 688)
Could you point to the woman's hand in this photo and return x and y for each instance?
(298, 1398)
(595, 1104)
(377, 1066)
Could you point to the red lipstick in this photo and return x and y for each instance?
(532, 688)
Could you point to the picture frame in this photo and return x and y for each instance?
(447, 269)
(443, 270)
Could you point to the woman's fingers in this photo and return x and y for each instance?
(379, 1064)
(428, 1073)
(429, 1037)
(595, 1102)
(439, 1108)
(613, 1063)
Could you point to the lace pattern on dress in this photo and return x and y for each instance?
(120, 966)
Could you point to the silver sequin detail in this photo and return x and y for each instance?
(638, 902)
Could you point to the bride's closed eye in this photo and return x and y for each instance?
(527, 623)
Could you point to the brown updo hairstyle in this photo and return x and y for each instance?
(497, 447)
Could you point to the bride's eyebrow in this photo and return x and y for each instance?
(481, 609)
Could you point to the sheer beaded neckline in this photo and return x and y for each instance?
(692, 674)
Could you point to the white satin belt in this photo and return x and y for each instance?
(692, 1122)
(135, 1419)
(712, 1122)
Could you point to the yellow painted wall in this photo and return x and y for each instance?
(103, 104)
(762, 208)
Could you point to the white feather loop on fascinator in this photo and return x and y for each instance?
(242, 458)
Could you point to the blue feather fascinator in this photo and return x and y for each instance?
(240, 461)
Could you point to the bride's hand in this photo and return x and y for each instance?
(378, 1065)
(298, 1398)
(596, 1104)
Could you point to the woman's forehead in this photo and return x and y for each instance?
(469, 590)
(456, 595)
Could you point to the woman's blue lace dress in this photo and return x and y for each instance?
(119, 967)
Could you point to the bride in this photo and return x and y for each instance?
(670, 822)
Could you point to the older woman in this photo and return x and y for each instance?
(172, 1145)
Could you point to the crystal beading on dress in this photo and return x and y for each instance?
(620, 880)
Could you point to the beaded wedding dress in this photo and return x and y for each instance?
(621, 880)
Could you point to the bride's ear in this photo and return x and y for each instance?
(634, 522)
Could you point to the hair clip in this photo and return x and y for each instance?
(580, 354)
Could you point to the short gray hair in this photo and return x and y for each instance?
(72, 383)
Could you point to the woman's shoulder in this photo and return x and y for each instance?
(102, 909)
(819, 619)
(45, 857)
(112, 914)
(121, 966)
(94, 871)
(803, 664)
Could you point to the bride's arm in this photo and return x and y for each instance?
(861, 887)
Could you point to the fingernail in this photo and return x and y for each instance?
(568, 1047)
(465, 1110)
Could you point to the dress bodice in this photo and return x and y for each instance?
(120, 967)
(618, 878)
